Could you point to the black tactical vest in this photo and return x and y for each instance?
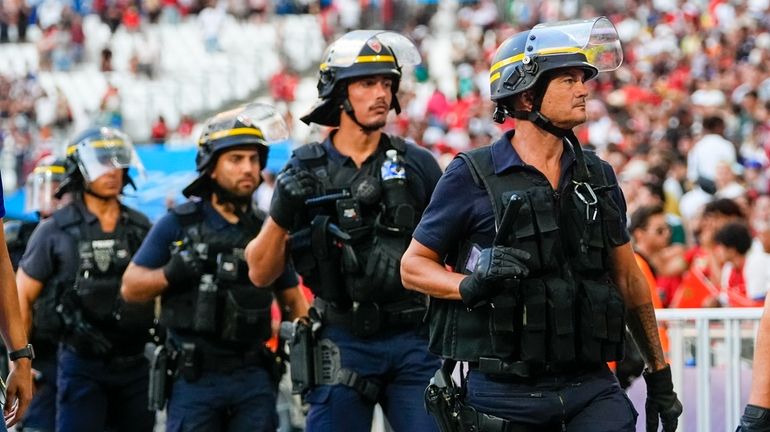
(567, 311)
(103, 257)
(342, 228)
(225, 307)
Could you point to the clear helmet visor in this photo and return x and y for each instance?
(106, 152)
(346, 50)
(597, 39)
(39, 190)
(267, 119)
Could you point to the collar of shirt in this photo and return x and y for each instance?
(335, 156)
(504, 156)
(213, 218)
(89, 217)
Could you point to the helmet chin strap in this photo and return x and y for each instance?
(541, 121)
(351, 112)
(91, 192)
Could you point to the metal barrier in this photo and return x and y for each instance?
(703, 326)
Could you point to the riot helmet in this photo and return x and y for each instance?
(527, 61)
(94, 153)
(255, 125)
(41, 184)
(358, 54)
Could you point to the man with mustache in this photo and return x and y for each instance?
(533, 228)
(344, 210)
(69, 290)
(225, 377)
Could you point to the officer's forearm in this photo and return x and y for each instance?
(293, 303)
(644, 327)
(29, 290)
(141, 284)
(13, 334)
(760, 385)
(266, 254)
(421, 271)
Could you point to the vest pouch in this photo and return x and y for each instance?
(178, 309)
(505, 323)
(616, 325)
(610, 214)
(561, 320)
(135, 316)
(593, 300)
(246, 316)
(46, 322)
(533, 321)
(544, 212)
(524, 235)
(98, 297)
(585, 240)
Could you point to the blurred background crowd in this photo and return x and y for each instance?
(685, 121)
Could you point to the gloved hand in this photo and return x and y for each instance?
(85, 334)
(383, 264)
(755, 419)
(495, 264)
(662, 404)
(292, 187)
(182, 269)
(98, 344)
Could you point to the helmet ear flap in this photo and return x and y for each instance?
(326, 82)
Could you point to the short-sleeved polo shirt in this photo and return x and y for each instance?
(461, 209)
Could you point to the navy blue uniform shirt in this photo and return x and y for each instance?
(422, 170)
(460, 208)
(2, 203)
(51, 252)
(155, 251)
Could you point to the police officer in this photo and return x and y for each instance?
(534, 229)
(217, 320)
(40, 198)
(349, 206)
(756, 415)
(18, 393)
(74, 260)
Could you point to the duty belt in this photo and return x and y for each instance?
(520, 370)
(366, 319)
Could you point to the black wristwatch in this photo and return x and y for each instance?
(27, 352)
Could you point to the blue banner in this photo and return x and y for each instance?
(167, 173)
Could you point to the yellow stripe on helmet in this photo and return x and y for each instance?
(98, 144)
(53, 169)
(495, 76)
(545, 51)
(232, 132)
(375, 58)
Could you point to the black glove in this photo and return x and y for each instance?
(755, 419)
(86, 336)
(383, 267)
(495, 264)
(182, 269)
(662, 405)
(292, 187)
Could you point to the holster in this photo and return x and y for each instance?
(442, 399)
(317, 362)
(160, 382)
(303, 348)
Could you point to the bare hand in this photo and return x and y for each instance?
(19, 391)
